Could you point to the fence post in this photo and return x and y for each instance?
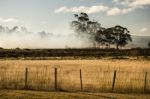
(114, 79)
(56, 79)
(26, 77)
(145, 82)
(81, 80)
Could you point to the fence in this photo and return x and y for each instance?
(62, 79)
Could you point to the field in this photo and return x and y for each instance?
(131, 76)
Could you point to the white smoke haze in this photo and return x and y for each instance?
(20, 37)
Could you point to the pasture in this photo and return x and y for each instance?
(105, 75)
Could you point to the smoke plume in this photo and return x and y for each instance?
(21, 37)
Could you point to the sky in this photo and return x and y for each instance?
(55, 16)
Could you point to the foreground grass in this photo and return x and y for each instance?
(97, 75)
(21, 94)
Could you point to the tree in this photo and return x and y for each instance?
(100, 37)
(80, 25)
(83, 26)
(109, 38)
(148, 44)
(92, 30)
(121, 36)
(117, 35)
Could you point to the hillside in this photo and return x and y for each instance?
(139, 41)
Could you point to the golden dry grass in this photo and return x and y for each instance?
(97, 74)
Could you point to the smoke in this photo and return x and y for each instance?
(20, 37)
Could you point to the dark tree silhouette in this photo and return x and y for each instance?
(109, 38)
(117, 35)
(85, 27)
(100, 37)
(121, 36)
(80, 25)
(148, 44)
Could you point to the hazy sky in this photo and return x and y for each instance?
(55, 15)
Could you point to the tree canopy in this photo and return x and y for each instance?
(117, 35)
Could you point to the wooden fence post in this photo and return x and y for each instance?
(145, 82)
(114, 79)
(26, 77)
(81, 80)
(56, 79)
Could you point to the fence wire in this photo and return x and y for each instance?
(68, 79)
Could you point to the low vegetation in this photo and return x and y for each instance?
(86, 53)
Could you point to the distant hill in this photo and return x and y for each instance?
(139, 41)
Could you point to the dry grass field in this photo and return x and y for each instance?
(97, 75)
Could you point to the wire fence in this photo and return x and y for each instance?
(66, 79)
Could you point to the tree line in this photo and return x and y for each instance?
(114, 36)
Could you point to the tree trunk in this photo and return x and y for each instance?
(99, 45)
(109, 45)
(94, 45)
(117, 46)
